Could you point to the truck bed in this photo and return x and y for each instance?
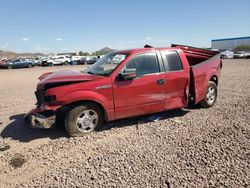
(204, 66)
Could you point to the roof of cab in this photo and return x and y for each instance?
(141, 50)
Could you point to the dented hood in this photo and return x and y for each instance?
(60, 78)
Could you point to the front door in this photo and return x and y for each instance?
(146, 93)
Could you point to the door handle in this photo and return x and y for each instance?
(160, 82)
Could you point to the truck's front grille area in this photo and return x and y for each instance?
(39, 97)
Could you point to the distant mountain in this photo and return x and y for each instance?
(105, 50)
(9, 54)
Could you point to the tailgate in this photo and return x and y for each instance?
(201, 74)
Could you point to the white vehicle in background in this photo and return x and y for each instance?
(60, 60)
(227, 54)
(239, 54)
(77, 58)
(242, 54)
(54, 60)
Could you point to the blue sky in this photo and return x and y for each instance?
(88, 25)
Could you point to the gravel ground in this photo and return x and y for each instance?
(186, 148)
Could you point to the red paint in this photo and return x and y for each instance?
(121, 99)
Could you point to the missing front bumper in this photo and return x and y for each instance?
(41, 121)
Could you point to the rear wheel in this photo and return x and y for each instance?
(211, 96)
(83, 119)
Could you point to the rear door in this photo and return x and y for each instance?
(146, 93)
(177, 79)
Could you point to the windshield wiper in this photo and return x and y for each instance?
(98, 74)
(89, 72)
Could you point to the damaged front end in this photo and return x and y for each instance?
(51, 87)
(44, 115)
(42, 119)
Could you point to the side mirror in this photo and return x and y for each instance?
(128, 74)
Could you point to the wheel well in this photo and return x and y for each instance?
(68, 106)
(214, 79)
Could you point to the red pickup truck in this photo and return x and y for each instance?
(127, 83)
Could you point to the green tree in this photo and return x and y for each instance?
(81, 53)
(97, 53)
(242, 48)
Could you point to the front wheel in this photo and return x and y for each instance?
(211, 96)
(83, 119)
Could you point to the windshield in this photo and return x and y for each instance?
(107, 64)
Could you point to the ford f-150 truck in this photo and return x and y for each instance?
(127, 83)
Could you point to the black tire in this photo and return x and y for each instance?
(51, 64)
(30, 66)
(210, 98)
(78, 111)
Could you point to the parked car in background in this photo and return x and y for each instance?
(239, 54)
(61, 60)
(18, 63)
(36, 60)
(87, 60)
(46, 62)
(227, 54)
(55, 60)
(77, 60)
(247, 55)
(242, 54)
(91, 60)
(2, 63)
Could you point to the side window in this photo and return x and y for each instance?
(173, 61)
(144, 64)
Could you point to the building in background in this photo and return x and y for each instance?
(230, 43)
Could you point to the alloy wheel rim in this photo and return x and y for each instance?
(87, 121)
(211, 95)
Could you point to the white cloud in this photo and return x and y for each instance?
(59, 39)
(25, 39)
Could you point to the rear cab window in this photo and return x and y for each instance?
(172, 61)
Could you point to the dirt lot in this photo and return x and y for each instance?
(186, 148)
